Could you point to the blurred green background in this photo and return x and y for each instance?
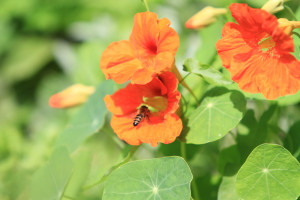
(47, 45)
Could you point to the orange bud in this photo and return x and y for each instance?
(71, 96)
(273, 6)
(204, 17)
(288, 26)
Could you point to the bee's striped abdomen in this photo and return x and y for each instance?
(138, 119)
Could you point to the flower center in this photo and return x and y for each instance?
(266, 43)
(156, 104)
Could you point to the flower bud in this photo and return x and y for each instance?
(204, 17)
(71, 96)
(288, 26)
(273, 6)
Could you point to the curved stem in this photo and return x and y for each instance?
(182, 82)
(126, 159)
(146, 5)
(194, 184)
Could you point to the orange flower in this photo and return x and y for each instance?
(256, 52)
(150, 50)
(71, 96)
(158, 100)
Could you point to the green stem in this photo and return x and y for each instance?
(126, 159)
(297, 153)
(146, 5)
(194, 184)
(183, 150)
(290, 11)
(195, 190)
(297, 34)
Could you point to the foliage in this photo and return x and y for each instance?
(233, 142)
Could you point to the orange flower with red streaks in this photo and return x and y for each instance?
(150, 50)
(256, 52)
(160, 98)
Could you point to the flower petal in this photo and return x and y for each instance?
(168, 40)
(275, 79)
(124, 101)
(118, 61)
(146, 132)
(142, 76)
(231, 44)
(144, 33)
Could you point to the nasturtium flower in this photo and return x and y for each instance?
(71, 96)
(257, 53)
(161, 99)
(150, 50)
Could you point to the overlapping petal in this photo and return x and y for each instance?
(150, 50)
(256, 52)
(161, 97)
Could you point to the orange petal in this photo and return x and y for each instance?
(142, 76)
(124, 101)
(231, 44)
(145, 132)
(118, 61)
(145, 33)
(168, 40)
(277, 80)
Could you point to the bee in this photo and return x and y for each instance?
(142, 113)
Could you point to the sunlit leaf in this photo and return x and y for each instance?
(215, 117)
(50, 180)
(161, 178)
(269, 173)
(88, 120)
(227, 189)
(210, 75)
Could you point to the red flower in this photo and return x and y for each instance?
(149, 51)
(256, 52)
(161, 99)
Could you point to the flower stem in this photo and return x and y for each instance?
(195, 190)
(146, 5)
(111, 170)
(297, 153)
(194, 184)
(183, 83)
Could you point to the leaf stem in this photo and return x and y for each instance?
(146, 5)
(182, 82)
(290, 11)
(183, 150)
(195, 190)
(194, 184)
(125, 160)
(297, 153)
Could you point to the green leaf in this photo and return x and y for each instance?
(215, 117)
(160, 178)
(50, 180)
(88, 120)
(227, 189)
(270, 172)
(210, 75)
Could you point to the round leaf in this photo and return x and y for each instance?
(215, 117)
(270, 172)
(160, 178)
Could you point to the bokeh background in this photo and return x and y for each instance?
(48, 45)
